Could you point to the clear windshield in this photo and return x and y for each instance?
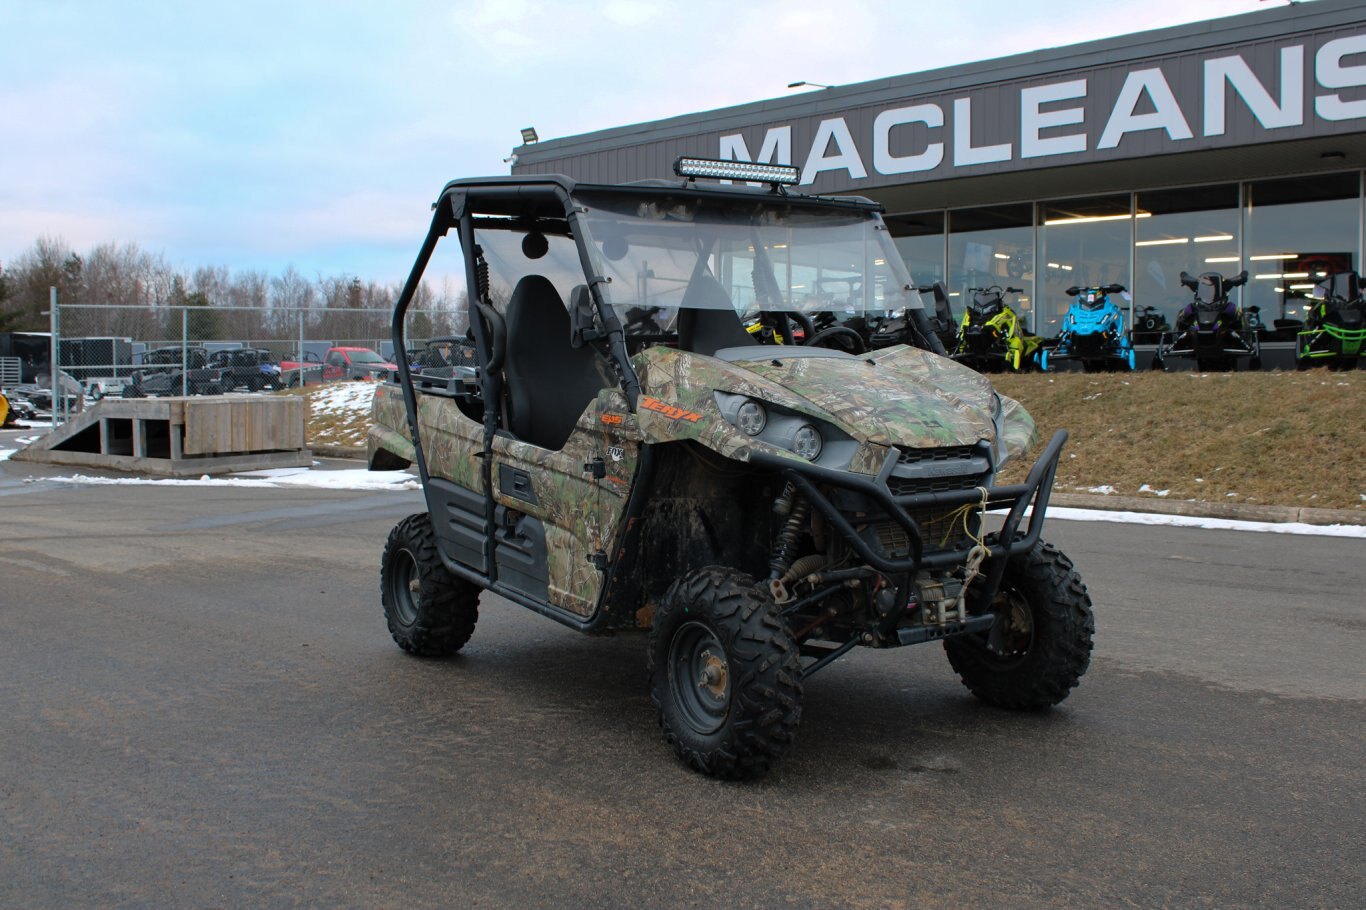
(746, 255)
(1209, 288)
(365, 357)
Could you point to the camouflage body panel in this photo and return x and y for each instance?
(900, 396)
(1018, 429)
(580, 513)
(389, 425)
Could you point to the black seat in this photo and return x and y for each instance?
(549, 383)
(707, 320)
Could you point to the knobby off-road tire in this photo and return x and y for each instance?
(1047, 640)
(430, 612)
(725, 675)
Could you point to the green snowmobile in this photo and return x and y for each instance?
(624, 455)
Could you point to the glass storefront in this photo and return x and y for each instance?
(920, 240)
(1287, 233)
(1297, 232)
(992, 247)
(1192, 230)
(1083, 243)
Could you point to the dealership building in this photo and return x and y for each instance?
(1231, 144)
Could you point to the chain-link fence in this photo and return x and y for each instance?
(141, 351)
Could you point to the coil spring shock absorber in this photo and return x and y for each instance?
(796, 508)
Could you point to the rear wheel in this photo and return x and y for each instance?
(725, 675)
(429, 611)
(1040, 646)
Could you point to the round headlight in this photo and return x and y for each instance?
(806, 442)
(751, 418)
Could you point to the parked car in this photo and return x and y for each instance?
(162, 374)
(344, 363)
(356, 363)
(251, 368)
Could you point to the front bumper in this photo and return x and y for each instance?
(1009, 541)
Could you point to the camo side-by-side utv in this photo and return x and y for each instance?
(758, 509)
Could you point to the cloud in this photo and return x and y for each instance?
(264, 132)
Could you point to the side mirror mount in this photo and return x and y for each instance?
(582, 327)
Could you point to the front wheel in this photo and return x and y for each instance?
(429, 611)
(1040, 645)
(725, 674)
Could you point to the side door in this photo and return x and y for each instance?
(334, 366)
(559, 512)
(560, 480)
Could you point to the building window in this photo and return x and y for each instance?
(1297, 231)
(1191, 229)
(988, 247)
(920, 240)
(1082, 243)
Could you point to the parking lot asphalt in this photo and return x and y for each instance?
(200, 707)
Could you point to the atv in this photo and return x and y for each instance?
(1092, 332)
(991, 337)
(756, 510)
(1334, 332)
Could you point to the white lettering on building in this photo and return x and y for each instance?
(884, 162)
(1166, 113)
(844, 158)
(1032, 145)
(1277, 103)
(963, 150)
(1330, 72)
(1235, 71)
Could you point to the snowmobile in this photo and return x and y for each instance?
(1334, 332)
(1210, 329)
(991, 337)
(1092, 332)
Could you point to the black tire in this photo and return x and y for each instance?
(133, 391)
(430, 612)
(1045, 646)
(256, 383)
(725, 674)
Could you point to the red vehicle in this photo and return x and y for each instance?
(346, 363)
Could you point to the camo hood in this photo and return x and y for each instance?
(899, 396)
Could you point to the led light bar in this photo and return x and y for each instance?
(780, 174)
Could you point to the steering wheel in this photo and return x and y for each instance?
(851, 341)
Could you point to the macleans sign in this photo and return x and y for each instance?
(1269, 91)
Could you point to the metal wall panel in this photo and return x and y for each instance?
(648, 150)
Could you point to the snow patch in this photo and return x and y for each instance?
(6, 453)
(1215, 524)
(1147, 489)
(1104, 489)
(350, 479)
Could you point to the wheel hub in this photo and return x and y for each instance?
(699, 678)
(713, 676)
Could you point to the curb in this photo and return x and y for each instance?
(325, 451)
(1195, 509)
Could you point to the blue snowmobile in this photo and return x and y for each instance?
(1092, 332)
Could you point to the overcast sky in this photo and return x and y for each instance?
(258, 134)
